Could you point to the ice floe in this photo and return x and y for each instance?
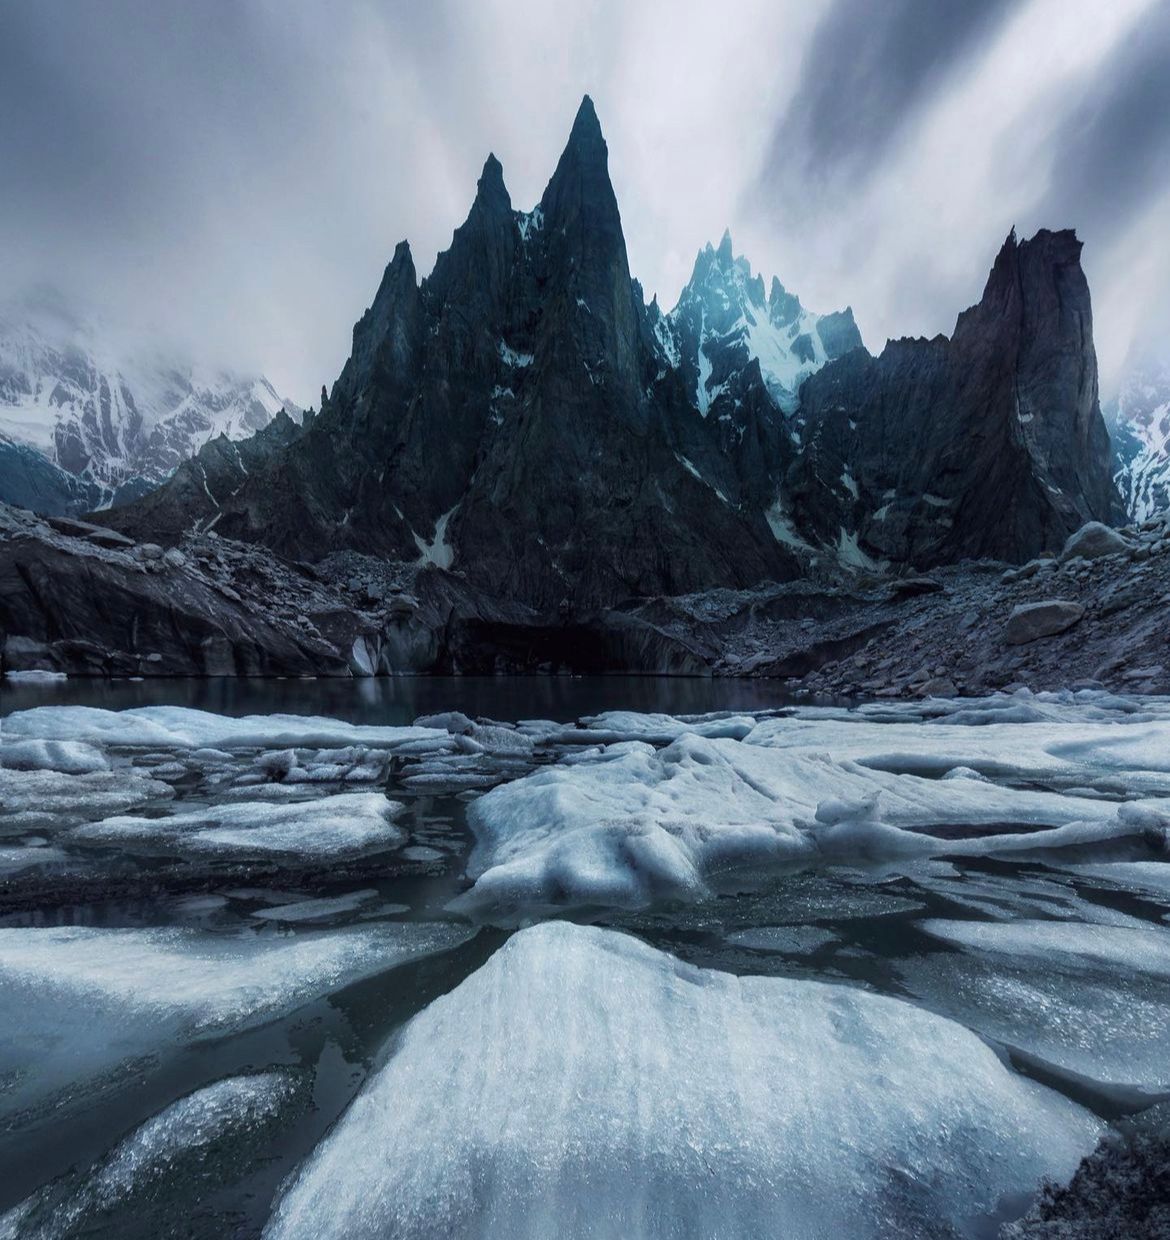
(40, 800)
(346, 825)
(194, 1144)
(1146, 877)
(1090, 1002)
(179, 727)
(324, 909)
(584, 1084)
(68, 757)
(79, 1001)
(622, 829)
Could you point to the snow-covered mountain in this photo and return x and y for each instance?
(1139, 424)
(725, 319)
(90, 417)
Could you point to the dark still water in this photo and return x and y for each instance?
(400, 700)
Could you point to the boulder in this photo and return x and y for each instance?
(1034, 620)
(1094, 540)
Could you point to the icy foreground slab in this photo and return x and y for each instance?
(195, 1141)
(179, 727)
(346, 825)
(1089, 1001)
(77, 1002)
(582, 1084)
(626, 825)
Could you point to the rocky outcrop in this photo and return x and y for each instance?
(990, 443)
(1031, 621)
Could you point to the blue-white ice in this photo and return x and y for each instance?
(583, 1084)
(46, 800)
(171, 1145)
(345, 825)
(628, 824)
(178, 727)
(76, 1002)
(1087, 1000)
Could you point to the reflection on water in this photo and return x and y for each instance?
(401, 699)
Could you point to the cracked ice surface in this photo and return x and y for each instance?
(1087, 1000)
(592, 1086)
(623, 825)
(79, 1001)
(346, 825)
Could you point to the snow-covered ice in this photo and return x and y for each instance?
(68, 757)
(75, 1002)
(345, 825)
(1086, 1000)
(621, 829)
(179, 727)
(584, 1084)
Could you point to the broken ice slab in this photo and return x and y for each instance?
(345, 825)
(78, 1005)
(1089, 1001)
(164, 1167)
(594, 1087)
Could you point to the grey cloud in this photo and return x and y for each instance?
(868, 70)
(1111, 155)
(237, 172)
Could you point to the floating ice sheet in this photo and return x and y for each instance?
(190, 1145)
(619, 830)
(46, 800)
(70, 757)
(76, 1002)
(178, 727)
(1089, 1001)
(1146, 877)
(307, 911)
(594, 1087)
(345, 825)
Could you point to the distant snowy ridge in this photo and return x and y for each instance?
(108, 417)
(725, 319)
(1139, 424)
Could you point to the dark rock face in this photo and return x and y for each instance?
(990, 443)
(508, 417)
(524, 421)
(203, 486)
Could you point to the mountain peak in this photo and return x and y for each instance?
(585, 124)
(490, 190)
(725, 251)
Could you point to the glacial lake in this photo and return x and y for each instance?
(880, 927)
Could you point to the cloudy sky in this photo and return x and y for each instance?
(236, 174)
